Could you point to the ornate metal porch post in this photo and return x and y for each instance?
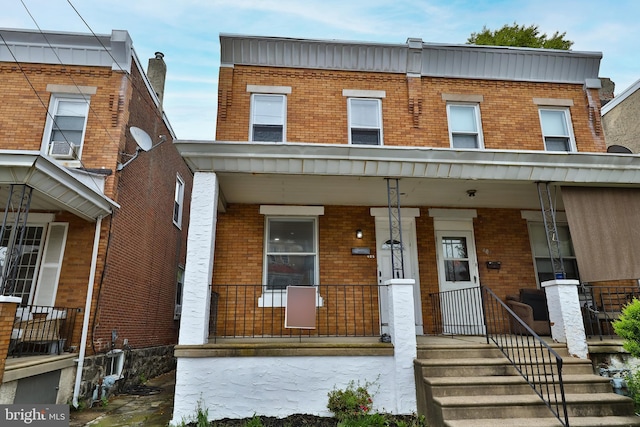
(551, 230)
(395, 229)
(14, 221)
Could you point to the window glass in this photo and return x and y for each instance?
(291, 253)
(178, 201)
(268, 118)
(19, 266)
(365, 121)
(555, 129)
(67, 127)
(464, 126)
(456, 259)
(544, 267)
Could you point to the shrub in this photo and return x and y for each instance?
(352, 402)
(627, 327)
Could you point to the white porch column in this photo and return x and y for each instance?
(196, 294)
(565, 315)
(402, 327)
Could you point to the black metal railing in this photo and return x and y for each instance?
(251, 311)
(41, 329)
(538, 363)
(602, 305)
(457, 312)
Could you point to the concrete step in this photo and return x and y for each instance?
(531, 406)
(511, 384)
(474, 350)
(620, 421)
(480, 366)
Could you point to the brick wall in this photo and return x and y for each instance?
(7, 317)
(500, 235)
(136, 292)
(414, 113)
(140, 247)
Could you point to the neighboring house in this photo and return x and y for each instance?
(620, 120)
(95, 204)
(379, 176)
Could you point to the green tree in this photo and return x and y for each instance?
(520, 36)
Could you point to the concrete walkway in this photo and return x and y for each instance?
(152, 406)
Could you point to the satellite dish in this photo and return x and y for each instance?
(618, 149)
(142, 138)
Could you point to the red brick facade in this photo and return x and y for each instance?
(140, 248)
(414, 114)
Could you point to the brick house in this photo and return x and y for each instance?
(96, 207)
(381, 176)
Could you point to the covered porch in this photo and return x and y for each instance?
(466, 218)
(49, 214)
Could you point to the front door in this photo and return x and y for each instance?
(460, 298)
(410, 258)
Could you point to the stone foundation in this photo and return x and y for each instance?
(139, 366)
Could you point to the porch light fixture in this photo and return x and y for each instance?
(471, 193)
(358, 234)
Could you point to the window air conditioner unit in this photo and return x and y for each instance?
(177, 312)
(62, 150)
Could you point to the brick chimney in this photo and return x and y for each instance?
(157, 72)
(606, 92)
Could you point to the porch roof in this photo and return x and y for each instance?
(55, 187)
(309, 173)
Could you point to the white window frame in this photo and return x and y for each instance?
(478, 122)
(378, 102)
(282, 116)
(54, 103)
(178, 202)
(545, 255)
(277, 297)
(177, 311)
(567, 120)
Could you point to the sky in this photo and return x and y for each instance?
(187, 32)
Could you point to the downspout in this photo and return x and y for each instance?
(87, 311)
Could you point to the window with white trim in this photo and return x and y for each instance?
(557, 130)
(540, 250)
(66, 126)
(177, 311)
(291, 253)
(465, 129)
(268, 117)
(178, 201)
(365, 121)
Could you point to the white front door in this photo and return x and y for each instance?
(410, 258)
(460, 298)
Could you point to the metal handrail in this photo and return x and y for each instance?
(534, 359)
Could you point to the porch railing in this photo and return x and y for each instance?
(251, 311)
(538, 363)
(602, 305)
(41, 329)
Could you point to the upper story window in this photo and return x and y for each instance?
(65, 128)
(268, 121)
(178, 202)
(268, 117)
(465, 129)
(365, 121)
(364, 115)
(557, 129)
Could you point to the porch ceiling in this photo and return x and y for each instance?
(298, 173)
(55, 188)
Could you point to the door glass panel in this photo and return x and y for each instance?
(21, 268)
(456, 259)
